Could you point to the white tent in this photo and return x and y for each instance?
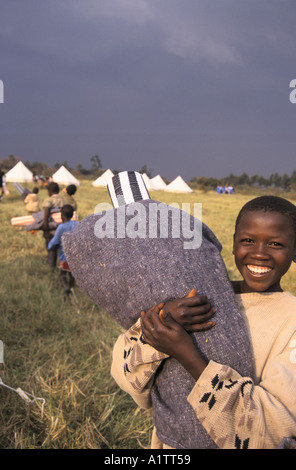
(158, 182)
(63, 176)
(19, 174)
(148, 182)
(178, 185)
(104, 179)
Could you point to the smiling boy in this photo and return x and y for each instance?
(236, 411)
(264, 244)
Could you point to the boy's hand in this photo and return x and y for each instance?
(192, 312)
(172, 339)
(168, 338)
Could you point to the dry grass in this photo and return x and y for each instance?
(62, 352)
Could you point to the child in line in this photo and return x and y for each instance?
(53, 201)
(32, 202)
(66, 277)
(68, 194)
(236, 411)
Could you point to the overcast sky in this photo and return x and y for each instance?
(187, 87)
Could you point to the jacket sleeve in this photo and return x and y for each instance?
(134, 365)
(56, 240)
(237, 413)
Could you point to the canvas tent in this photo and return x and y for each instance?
(19, 174)
(63, 176)
(148, 182)
(158, 182)
(178, 185)
(104, 179)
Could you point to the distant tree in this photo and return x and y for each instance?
(9, 162)
(254, 180)
(144, 169)
(285, 181)
(81, 169)
(65, 164)
(276, 180)
(96, 162)
(243, 179)
(165, 179)
(39, 168)
(204, 183)
(293, 178)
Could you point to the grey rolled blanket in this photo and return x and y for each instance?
(124, 270)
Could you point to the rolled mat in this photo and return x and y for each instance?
(22, 221)
(124, 270)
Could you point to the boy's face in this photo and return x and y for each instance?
(264, 247)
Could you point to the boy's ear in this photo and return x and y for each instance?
(233, 245)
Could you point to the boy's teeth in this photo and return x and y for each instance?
(258, 269)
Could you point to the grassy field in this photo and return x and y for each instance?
(62, 352)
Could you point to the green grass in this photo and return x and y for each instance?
(63, 352)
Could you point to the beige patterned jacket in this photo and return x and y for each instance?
(236, 411)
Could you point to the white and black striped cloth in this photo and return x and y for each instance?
(23, 191)
(127, 187)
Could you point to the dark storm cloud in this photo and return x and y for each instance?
(187, 87)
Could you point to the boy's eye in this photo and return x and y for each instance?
(275, 244)
(247, 240)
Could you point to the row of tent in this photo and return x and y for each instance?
(152, 184)
(21, 174)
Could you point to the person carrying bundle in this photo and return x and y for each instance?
(128, 274)
(32, 202)
(67, 280)
(68, 193)
(237, 412)
(54, 201)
